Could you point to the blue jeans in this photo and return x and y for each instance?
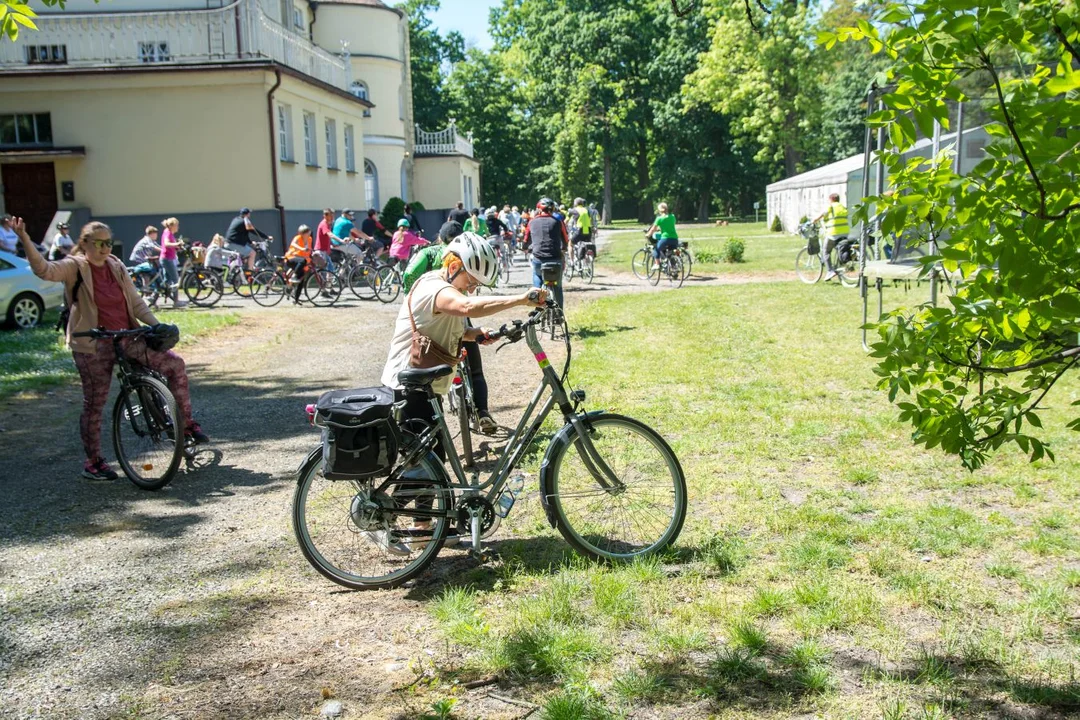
(669, 244)
(538, 279)
(171, 275)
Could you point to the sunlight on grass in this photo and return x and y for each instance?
(827, 567)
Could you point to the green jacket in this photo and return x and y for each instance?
(428, 259)
(480, 228)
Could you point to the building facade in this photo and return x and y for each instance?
(137, 110)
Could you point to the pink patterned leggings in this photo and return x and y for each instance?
(95, 371)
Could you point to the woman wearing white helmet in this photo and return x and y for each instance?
(438, 305)
(440, 302)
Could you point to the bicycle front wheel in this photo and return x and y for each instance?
(201, 288)
(387, 284)
(322, 288)
(808, 267)
(361, 281)
(641, 514)
(267, 288)
(363, 538)
(148, 435)
(641, 263)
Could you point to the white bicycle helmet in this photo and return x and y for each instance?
(477, 256)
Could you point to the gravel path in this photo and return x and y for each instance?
(194, 602)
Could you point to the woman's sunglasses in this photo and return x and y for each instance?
(103, 244)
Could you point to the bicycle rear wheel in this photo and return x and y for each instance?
(642, 514)
(342, 525)
(322, 288)
(848, 272)
(641, 262)
(148, 434)
(387, 284)
(201, 288)
(267, 288)
(675, 271)
(506, 265)
(808, 267)
(361, 281)
(588, 267)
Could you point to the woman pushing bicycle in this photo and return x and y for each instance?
(100, 294)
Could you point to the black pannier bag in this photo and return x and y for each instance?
(359, 438)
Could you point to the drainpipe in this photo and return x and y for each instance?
(273, 154)
(314, 17)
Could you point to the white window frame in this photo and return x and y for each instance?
(350, 149)
(331, 143)
(360, 89)
(298, 18)
(285, 142)
(154, 51)
(371, 192)
(311, 148)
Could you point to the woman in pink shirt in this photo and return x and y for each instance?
(169, 243)
(404, 241)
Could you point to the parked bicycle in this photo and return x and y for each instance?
(366, 518)
(147, 431)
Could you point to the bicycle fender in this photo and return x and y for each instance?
(562, 438)
(312, 457)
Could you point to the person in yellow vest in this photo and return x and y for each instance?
(581, 221)
(836, 227)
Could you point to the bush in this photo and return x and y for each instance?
(416, 205)
(733, 250)
(776, 226)
(393, 211)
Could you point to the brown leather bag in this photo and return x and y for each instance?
(425, 352)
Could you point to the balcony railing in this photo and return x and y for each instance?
(444, 142)
(240, 31)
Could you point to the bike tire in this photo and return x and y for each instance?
(387, 284)
(463, 412)
(320, 507)
(151, 437)
(201, 288)
(808, 267)
(654, 274)
(361, 281)
(243, 281)
(641, 263)
(267, 288)
(848, 273)
(676, 272)
(588, 267)
(506, 266)
(572, 480)
(322, 288)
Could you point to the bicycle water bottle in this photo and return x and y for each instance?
(509, 494)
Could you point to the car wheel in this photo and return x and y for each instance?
(25, 311)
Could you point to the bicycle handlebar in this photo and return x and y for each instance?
(515, 330)
(102, 333)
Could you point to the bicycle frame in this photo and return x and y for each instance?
(520, 440)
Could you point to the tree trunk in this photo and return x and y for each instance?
(705, 198)
(605, 216)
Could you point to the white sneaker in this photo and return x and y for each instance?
(392, 545)
(488, 424)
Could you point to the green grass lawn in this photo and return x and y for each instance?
(766, 252)
(38, 358)
(827, 567)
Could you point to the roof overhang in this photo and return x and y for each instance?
(39, 154)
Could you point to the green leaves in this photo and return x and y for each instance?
(14, 14)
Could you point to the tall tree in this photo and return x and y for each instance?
(763, 74)
(432, 55)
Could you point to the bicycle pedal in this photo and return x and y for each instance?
(483, 555)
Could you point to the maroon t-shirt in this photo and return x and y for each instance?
(322, 237)
(109, 298)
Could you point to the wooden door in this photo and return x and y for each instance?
(30, 193)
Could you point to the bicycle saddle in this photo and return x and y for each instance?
(419, 377)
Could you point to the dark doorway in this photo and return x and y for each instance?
(30, 193)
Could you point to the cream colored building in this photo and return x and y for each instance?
(134, 110)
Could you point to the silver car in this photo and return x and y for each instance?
(24, 297)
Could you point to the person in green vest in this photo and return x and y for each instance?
(476, 224)
(583, 228)
(836, 228)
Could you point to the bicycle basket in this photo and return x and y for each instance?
(358, 433)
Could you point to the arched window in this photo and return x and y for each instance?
(371, 184)
(404, 183)
(360, 89)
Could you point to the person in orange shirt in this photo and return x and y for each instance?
(297, 258)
